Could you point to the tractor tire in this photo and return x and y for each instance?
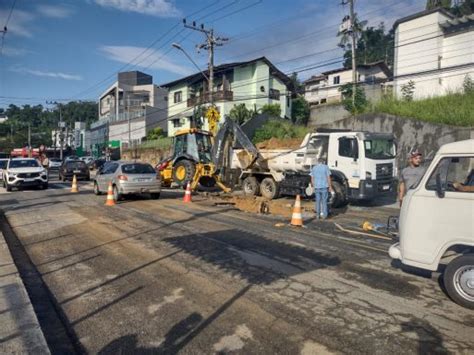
(250, 186)
(269, 188)
(183, 172)
(340, 199)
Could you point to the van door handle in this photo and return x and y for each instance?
(335, 163)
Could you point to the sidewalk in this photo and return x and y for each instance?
(20, 332)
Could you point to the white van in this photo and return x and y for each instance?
(437, 221)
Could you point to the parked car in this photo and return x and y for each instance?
(3, 165)
(88, 160)
(128, 178)
(71, 157)
(55, 163)
(21, 172)
(74, 167)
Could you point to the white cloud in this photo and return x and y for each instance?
(160, 8)
(14, 52)
(19, 22)
(157, 60)
(57, 75)
(54, 11)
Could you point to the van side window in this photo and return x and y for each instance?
(456, 175)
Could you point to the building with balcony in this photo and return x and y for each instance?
(130, 108)
(435, 51)
(254, 83)
(325, 88)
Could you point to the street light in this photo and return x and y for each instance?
(177, 46)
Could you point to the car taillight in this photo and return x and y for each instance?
(163, 165)
(122, 178)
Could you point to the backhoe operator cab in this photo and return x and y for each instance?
(190, 146)
(436, 223)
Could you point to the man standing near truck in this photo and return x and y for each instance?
(321, 181)
(411, 174)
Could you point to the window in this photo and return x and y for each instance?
(138, 169)
(178, 96)
(274, 94)
(336, 80)
(176, 123)
(110, 168)
(323, 101)
(288, 100)
(456, 175)
(348, 148)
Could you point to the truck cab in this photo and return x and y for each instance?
(436, 223)
(364, 162)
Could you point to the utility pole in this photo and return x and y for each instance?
(354, 66)
(211, 42)
(29, 135)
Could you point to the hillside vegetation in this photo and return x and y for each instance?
(453, 109)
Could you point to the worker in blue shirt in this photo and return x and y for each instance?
(321, 181)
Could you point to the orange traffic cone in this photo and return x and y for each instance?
(74, 184)
(187, 194)
(110, 196)
(296, 218)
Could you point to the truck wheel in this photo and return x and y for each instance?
(459, 280)
(269, 188)
(8, 188)
(155, 196)
(183, 172)
(340, 199)
(251, 186)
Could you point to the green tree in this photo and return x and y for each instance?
(360, 102)
(240, 113)
(155, 133)
(463, 8)
(273, 110)
(373, 45)
(468, 85)
(408, 90)
(297, 85)
(300, 111)
(433, 4)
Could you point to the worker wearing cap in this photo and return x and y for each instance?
(321, 182)
(411, 175)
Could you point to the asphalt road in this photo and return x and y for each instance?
(161, 276)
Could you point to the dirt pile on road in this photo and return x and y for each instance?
(275, 143)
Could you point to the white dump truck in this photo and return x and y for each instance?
(362, 164)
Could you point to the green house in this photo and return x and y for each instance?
(254, 83)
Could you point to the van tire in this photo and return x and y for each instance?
(269, 188)
(340, 199)
(251, 186)
(456, 285)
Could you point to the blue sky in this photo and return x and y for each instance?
(73, 49)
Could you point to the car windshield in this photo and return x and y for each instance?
(379, 148)
(76, 165)
(138, 169)
(23, 164)
(3, 164)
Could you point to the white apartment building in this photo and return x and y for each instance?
(325, 88)
(435, 50)
(129, 108)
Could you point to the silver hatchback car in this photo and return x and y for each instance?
(128, 178)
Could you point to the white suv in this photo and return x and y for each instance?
(22, 172)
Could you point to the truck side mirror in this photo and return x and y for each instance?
(439, 186)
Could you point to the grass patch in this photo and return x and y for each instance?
(161, 143)
(279, 129)
(452, 109)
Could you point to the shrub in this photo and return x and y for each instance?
(360, 101)
(279, 129)
(272, 110)
(408, 90)
(300, 111)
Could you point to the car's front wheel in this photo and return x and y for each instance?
(459, 280)
(155, 196)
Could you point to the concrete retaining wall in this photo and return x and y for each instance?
(410, 133)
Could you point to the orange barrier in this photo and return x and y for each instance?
(187, 194)
(74, 187)
(296, 218)
(110, 196)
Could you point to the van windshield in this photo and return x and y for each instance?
(379, 149)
